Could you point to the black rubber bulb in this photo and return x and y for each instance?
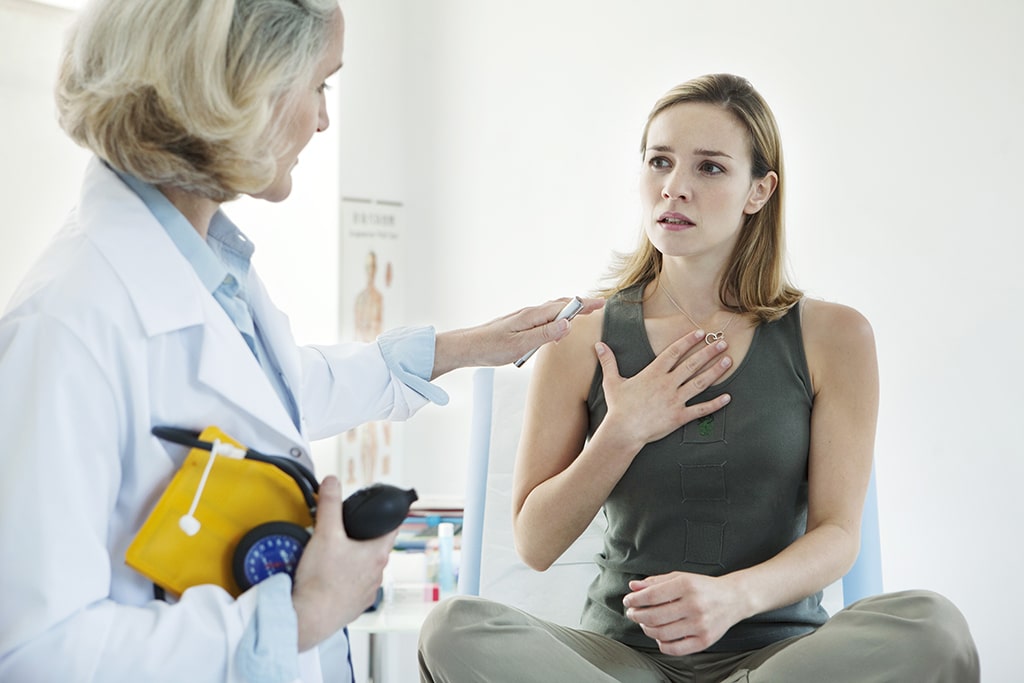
(375, 510)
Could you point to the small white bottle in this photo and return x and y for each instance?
(446, 562)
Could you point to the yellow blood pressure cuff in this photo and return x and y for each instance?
(214, 499)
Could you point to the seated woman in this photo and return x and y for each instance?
(726, 428)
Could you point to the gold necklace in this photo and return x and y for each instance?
(711, 337)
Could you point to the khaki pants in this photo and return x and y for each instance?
(911, 637)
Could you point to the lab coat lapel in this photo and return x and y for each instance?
(277, 332)
(228, 366)
(169, 297)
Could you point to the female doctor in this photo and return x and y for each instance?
(145, 311)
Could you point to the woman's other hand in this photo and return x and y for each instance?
(685, 613)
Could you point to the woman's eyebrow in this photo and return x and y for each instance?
(699, 152)
(711, 153)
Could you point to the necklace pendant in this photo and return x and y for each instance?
(712, 337)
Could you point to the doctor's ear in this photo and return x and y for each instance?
(760, 192)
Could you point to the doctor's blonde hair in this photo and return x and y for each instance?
(190, 93)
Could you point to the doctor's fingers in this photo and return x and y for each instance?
(379, 549)
(362, 569)
(328, 507)
(365, 558)
(530, 328)
(541, 316)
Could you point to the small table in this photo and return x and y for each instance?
(400, 616)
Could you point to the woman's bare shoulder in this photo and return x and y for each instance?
(828, 321)
(838, 339)
(571, 361)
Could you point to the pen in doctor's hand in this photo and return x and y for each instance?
(571, 309)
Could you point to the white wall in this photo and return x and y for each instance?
(41, 168)
(510, 130)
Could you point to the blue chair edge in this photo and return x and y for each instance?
(865, 577)
(476, 482)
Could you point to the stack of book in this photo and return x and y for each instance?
(420, 527)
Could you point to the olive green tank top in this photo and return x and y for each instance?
(717, 495)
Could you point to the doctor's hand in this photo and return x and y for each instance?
(337, 578)
(505, 339)
(685, 613)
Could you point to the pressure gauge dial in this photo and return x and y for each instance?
(268, 549)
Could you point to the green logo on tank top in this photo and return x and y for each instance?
(707, 429)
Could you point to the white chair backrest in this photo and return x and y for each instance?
(556, 594)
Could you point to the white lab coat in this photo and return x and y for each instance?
(111, 334)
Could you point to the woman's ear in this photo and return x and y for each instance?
(761, 191)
